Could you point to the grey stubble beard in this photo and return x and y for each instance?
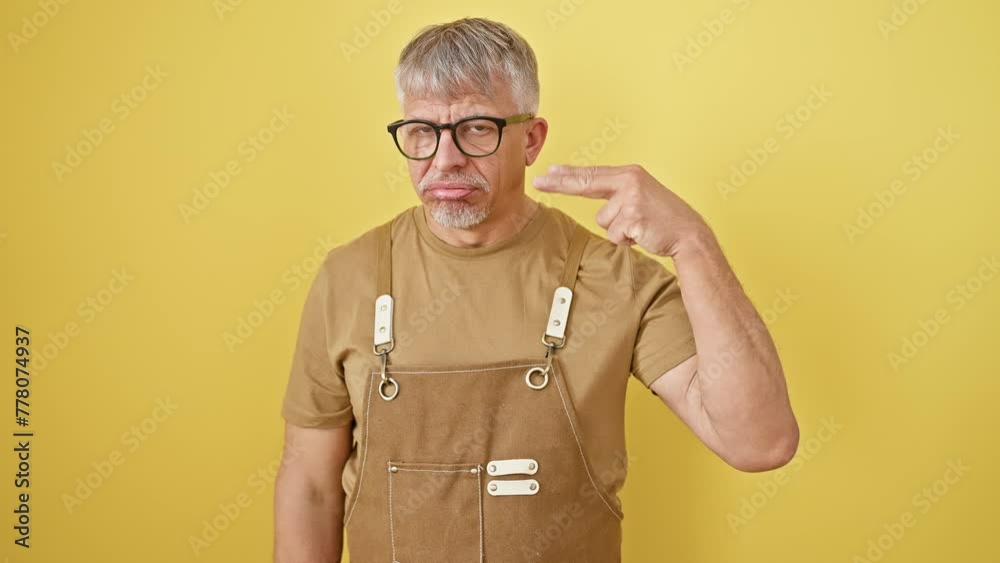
(459, 214)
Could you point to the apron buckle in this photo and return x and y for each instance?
(384, 354)
(551, 347)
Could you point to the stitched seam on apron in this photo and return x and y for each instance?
(364, 457)
(580, 446)
(482, 549)
(374, 372)
(430, 470)
(392, 530)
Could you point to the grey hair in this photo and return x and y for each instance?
(466, 56)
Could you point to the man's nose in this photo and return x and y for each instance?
(448, 156)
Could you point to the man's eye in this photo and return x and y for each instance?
(478, 129)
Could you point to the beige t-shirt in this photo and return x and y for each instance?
(475, 305)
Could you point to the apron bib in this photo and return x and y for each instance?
(476, 463)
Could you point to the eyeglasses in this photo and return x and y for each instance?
(477, 135)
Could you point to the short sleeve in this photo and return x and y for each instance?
(316, 394)
(664, 338)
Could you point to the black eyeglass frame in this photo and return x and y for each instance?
(500, 122)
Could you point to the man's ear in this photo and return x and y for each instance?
(535, 138)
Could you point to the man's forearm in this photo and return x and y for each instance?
(739, 379)
(308, 525)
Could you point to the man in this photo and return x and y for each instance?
(425, 416)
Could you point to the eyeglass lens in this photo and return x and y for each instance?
(477, 137)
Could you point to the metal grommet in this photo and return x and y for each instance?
(395, 389)
(545, 381)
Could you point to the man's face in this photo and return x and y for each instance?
(462, 191)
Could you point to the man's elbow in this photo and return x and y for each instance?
(779, 451)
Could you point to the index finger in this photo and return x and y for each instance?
(588, 181)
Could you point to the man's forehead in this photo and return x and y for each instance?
(440, 108)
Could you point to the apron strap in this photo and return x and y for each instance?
(555, 329)
(383, 282)
(383, 287)
(574, 255)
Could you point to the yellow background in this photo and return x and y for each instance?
(332, 173)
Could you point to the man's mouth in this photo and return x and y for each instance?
(450, 190)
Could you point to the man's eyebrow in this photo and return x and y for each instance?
(462, 116)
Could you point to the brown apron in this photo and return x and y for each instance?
(480, 462)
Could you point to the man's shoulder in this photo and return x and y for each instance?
(358, 256)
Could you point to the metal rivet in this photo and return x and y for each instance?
(531, 465)
(383, 308)
(493, 468)
(474, 470)
(562, 300)
(557, 322)
(381, 329)
(393, 469)
(533, 486)
(493, 487)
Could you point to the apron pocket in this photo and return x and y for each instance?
(435, 511)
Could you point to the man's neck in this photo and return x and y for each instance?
(502, 224)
